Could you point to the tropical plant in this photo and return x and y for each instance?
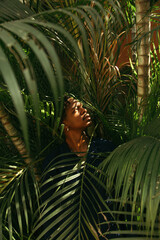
(43, 46)
(133, 168)
(32, 73)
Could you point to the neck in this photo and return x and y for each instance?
(77, 141)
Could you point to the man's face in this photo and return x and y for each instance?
(76, 116)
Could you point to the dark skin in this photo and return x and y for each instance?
(76, 120)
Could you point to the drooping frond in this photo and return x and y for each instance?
(133, 169)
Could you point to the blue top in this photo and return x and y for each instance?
(99, 146)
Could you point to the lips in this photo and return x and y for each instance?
(86, 115)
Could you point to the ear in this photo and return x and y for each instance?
(65, 121)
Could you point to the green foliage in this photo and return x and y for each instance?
(47, 48)
(32, 70)
(75, 189)
(135, 177)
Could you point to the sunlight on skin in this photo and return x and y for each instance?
(76, 120)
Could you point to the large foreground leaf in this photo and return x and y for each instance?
(72, 203)
(133, 169)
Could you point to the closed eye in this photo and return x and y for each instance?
(74, 109)
(77, 107)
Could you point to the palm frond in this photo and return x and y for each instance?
(133, 169)
(33, 36)
(13, 10)
(73, 208)
(16, 36)
(19, 199)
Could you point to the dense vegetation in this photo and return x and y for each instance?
(48, 48)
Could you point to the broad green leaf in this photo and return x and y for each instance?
(11, 81)
(141, 156)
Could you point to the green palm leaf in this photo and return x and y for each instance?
(27, 33)
(18, 195)
(31, 58)
(11, 10)
(134, 168)
(75, 203)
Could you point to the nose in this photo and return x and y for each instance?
(83, 110)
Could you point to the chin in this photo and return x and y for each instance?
(88, 123)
